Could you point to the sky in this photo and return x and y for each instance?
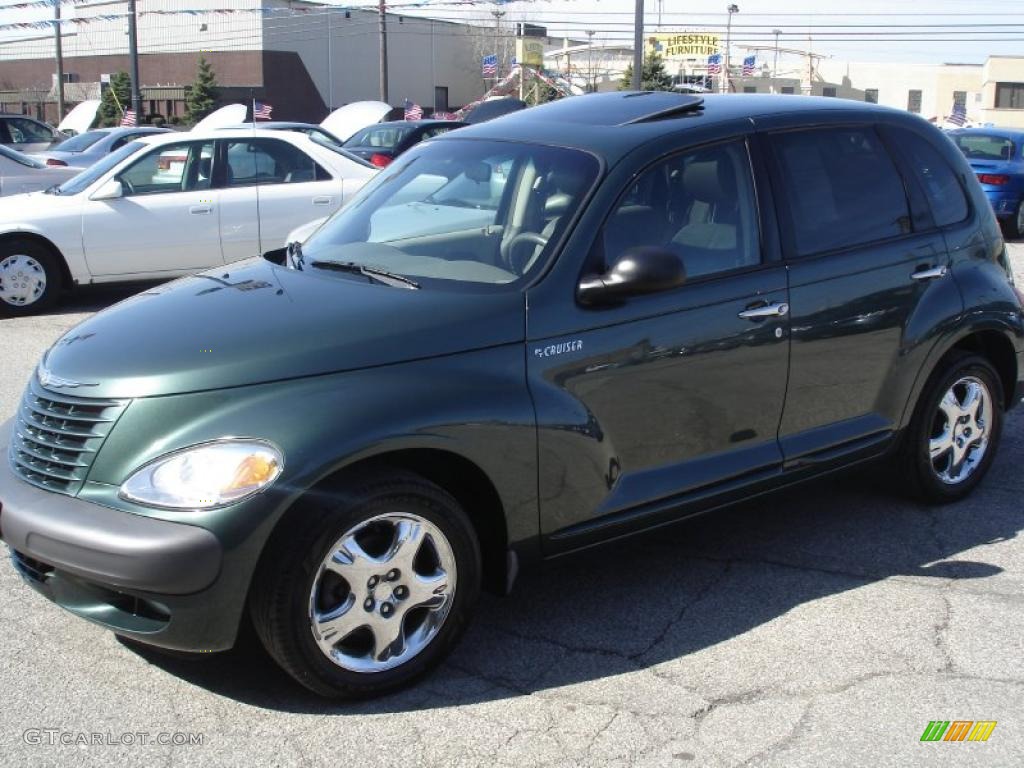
(962, 31)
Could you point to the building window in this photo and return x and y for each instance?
(1009, 95)
(960, 97)
(871, 95)
(440, 98)
(750, 89)
(828, 91)
(787, 89)
(914, 102)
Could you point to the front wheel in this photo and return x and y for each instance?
(30, 278)
(955, 431)
(361, 596)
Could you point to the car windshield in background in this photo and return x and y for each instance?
(20, 159)
(978, 146)
(82, 181)
(379, 136)
(81, 142)
(462, 211)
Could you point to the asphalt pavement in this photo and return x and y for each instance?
(824, 626)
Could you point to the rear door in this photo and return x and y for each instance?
(268, 188)
(668, 396)
(867, 267)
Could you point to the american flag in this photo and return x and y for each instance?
(490, 65)
(413, 111)
(749, 65)
(129, 119)
(715, 64)
(261, 110)
(443, 116)
(959, 116)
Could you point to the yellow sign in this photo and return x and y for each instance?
(529, 52)
(684, 45)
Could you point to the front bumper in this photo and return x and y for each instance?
(160, 582)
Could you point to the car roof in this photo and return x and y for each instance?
(273, 125)
(1003, 133)
(221, 133)
(415, 123)
(613, 124)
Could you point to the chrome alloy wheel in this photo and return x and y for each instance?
(960, 430)
(382, 592)
(22, 280)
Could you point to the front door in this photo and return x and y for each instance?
(673, 394)
(165, 223)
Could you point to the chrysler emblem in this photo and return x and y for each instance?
(48, 380)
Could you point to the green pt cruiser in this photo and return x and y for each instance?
(524, 338)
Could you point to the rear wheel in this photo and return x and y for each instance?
(373, 590)
(1013, 227)
(955, 431)
(30, 278)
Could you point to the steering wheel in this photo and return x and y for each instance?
(509, 246)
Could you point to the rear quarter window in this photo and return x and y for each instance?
(938, 180)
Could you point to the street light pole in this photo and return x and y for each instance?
(133, 54)
(59, 55)
(638, 44)
(382, 16)
(590, 61)
(775, 65)
(728, 47)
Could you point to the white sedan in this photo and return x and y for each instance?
(165, 206)
(20, 173)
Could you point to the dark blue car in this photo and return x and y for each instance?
(995, 156)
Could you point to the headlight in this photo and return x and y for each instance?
(205, 476)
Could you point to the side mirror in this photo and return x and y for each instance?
(640, 270)
(110, 190)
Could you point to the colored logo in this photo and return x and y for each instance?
(958, 730)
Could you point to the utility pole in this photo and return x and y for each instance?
(133, 55)
(497, 41)
(728, 48)
(330, 66)
(638, 44)
(590, 61)
(382, 15)
(59, 55)
(775, 65)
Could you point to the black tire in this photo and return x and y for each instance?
(280, 597)
(1012, 224)
(917, 467)
(50, 264)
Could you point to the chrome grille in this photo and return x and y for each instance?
(56, 437)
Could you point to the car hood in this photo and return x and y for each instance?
(80, 117)
(255, 322)
(29, 207)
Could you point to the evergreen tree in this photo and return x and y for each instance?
(653, 76)
(202, 97)
(116, 98)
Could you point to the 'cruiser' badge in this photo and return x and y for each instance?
(562, 347)
(48, 379)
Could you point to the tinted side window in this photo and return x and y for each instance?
(268, 161)
(940, 184)
(699, 204)
(841, 187)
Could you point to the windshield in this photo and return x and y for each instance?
(20, 159)
(85, 179)
(382, 136)
(81, 142)
(980, 146)
(460, 212)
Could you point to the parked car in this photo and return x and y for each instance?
(26, 134)
(22, 173)
(673, 303)
(83, 150)
(167, 205)
(997, 157)
(383, 142)
(315, 132)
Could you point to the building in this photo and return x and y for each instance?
(303, 58)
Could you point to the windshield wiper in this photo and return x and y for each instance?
(54, 190)
(380, 275)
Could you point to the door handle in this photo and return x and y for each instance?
(929, 273)
(322, 200)
(201, 209)
(780, 309)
